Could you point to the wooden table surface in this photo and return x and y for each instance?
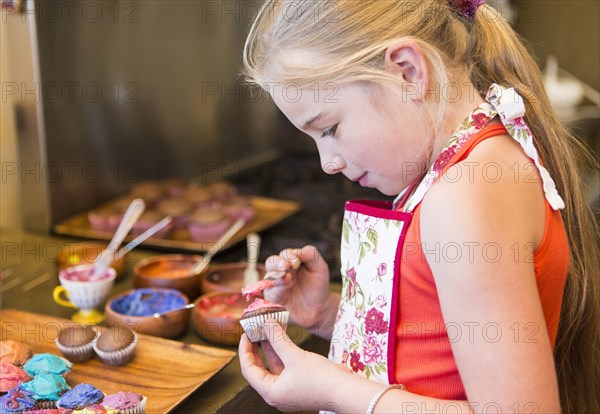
(29, 275)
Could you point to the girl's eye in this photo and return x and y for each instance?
(330, 132)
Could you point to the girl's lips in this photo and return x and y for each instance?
(357, 179)
(363, 180)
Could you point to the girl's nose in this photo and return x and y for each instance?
(333, 166)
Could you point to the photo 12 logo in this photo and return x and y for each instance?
(70, 92)
(72, 12)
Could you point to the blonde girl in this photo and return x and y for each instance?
(476, 290)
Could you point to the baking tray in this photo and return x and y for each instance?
(269, 211)
(165, 371)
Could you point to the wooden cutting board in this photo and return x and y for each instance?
(165, 371)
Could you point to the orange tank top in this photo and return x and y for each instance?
(424, 360)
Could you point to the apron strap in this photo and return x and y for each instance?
(511, 108)
(508, 104)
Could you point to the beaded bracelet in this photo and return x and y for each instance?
(380, 394)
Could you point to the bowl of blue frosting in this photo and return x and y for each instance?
(135, 309)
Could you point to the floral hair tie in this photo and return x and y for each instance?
(467, 8)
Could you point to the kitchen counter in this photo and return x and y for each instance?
(29, 275)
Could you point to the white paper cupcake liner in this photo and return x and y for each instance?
(254, 326)
(138, 409)
(79, 353)
(119, 356)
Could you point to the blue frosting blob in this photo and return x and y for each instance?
(147, 301)
(80, 396)
(46, 387)
(17, 400)
(46, 364)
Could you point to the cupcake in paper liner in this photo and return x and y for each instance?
(49, 411)
(80, 397)
(46, 389)
(115, 345)
(76, 343)
(126, 402)
(256, 315)
(47, 364)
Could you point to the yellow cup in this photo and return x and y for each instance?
(85, 295)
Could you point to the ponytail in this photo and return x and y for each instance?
(498, 55)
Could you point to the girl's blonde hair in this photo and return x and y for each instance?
(345, 41)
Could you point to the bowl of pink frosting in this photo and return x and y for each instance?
(216, 317)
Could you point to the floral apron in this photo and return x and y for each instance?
(364, 337)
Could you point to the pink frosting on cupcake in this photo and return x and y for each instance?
(11, 376)
(122, 400)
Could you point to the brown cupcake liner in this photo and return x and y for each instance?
(254, 326)
(46, 404)
(79, 353)
(118, 357)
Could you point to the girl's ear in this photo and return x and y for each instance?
(405, 58)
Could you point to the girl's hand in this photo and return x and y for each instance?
(294, 379)
(304, 290)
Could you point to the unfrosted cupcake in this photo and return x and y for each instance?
(126, 402)
(16, 401)
(254, 317)
(199, 197)
(47, 364)
(222, 190)
(77, 342)
(175, 187)
(149, 191)
(80, 397)
(149, 219)
(208, 225)
(11, 376)
(178, 209)
(46, 389)
(239, 207)
(115, 345)
(12, 352)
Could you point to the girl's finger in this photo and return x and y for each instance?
(273, 263)
(252, 367)
(285, 281)
(282, 345)
(273, 361)
(250, 351)
(293, 257)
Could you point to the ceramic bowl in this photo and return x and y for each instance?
(86, 253)
(171, 271)
(170, 325)
(226, 277)
(216, 317)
